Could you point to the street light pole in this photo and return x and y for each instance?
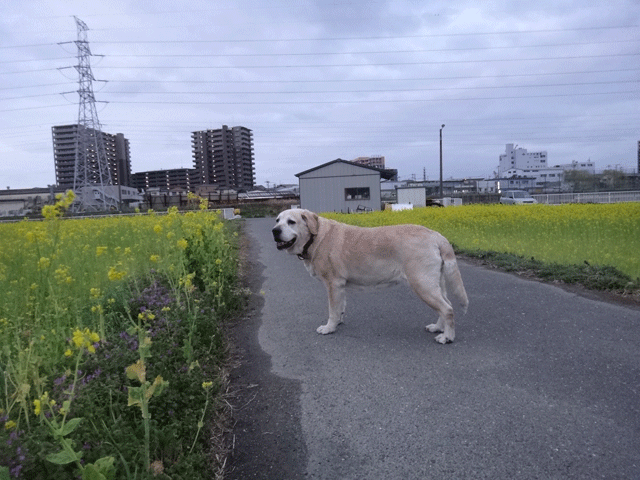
(441, 190)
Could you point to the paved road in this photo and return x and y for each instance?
(540, 383)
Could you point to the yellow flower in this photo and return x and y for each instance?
(100, 251)
(68, 352)
(78, 338)
(51, 211)
(115, 275)
(85, 339)
(157, 228)
(95, 292)
(62, 275)
(187, 280)
(182, 243)
(154, 258)
(10, 425)
(207, 385)
(44, 263)
(37, 407)
(146, 315)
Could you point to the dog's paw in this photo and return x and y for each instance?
(325, 329)
(443, 339)
(433, 328)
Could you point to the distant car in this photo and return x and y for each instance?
(516, 197)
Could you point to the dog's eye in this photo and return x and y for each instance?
(291, 222)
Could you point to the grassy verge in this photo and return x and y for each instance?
(603, 278)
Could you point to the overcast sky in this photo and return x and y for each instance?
(320, 80)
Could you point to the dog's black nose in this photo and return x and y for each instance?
(276, 233)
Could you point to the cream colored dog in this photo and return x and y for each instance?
(342, 255)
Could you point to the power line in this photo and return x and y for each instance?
(380, 37)
(307, 92)
(371, 52)
(319, 39)
(402, 90)
(297, 102)
(368, 80)
(369, 64)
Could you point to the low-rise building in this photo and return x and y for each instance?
(341, 186)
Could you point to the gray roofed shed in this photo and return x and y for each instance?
(341, 186)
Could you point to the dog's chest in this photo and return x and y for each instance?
(309, 266)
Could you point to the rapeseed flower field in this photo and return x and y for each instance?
(99, 318)
(599, 234)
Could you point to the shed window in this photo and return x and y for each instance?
(360, 193)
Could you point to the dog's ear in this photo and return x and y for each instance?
(311, 219)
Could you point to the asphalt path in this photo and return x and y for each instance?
(540, 383)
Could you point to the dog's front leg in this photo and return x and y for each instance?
(337, 302)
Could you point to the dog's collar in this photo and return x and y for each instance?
(305, 251)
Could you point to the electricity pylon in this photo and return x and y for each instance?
(92, 174)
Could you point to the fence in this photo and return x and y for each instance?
(590, 197)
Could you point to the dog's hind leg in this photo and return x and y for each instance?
(433, 295)
(337, 296)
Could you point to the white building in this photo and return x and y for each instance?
(499, 185)
(520, 159)
(587, 166)
(519, 163)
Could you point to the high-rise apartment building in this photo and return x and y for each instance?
(375, 161)
(224, 157)
(165, 180)
(64, 155)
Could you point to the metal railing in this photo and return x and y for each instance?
(588, 197)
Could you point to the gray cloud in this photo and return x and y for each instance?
(320, 80)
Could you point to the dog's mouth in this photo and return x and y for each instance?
(285, 245)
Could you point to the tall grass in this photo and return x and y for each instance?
(599, 234)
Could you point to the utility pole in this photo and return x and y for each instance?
(92, 173)
(441, 190)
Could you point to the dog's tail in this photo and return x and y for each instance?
(452, 276)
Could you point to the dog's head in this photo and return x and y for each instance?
(293, 230)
